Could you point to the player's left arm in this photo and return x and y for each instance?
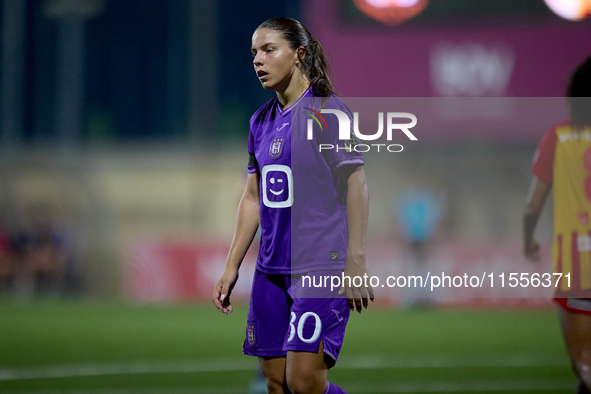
(357, 217)
(538, 193)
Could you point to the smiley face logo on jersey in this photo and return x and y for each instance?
(279, 181)
(277, 185)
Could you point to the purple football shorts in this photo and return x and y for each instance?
(278, 323)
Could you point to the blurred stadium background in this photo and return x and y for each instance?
(123, 127)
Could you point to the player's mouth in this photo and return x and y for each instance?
(262, 74)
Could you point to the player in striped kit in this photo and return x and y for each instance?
(312, 207)
(562, 164)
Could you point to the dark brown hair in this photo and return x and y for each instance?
(578, 93)
(314, 65)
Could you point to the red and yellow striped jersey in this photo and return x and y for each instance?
(563, 159)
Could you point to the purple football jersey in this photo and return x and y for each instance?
(302, 200)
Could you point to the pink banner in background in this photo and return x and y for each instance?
(174, 271)
(508, 58)
(160, 270)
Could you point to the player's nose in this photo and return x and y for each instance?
(257, 60)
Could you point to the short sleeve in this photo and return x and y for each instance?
(344, 152)
(253, 166)
(543, 162)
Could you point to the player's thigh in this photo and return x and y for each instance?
(307, 363)
(306, 372)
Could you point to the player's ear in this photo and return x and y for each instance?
(300, 55)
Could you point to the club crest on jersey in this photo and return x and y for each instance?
(276, 148)
(250, 334)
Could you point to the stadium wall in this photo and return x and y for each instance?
(172, 207)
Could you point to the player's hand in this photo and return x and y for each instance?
(532, 250)
(223, 289)
(357, 296)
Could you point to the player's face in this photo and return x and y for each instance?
(274, 61)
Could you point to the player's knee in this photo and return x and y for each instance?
(301, 383)
(298, 385)
(275, 381)
(275, 386)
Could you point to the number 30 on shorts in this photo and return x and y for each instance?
(300, 329)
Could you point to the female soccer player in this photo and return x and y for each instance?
(312, 207)
(562, 164)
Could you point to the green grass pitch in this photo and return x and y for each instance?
(90, 347)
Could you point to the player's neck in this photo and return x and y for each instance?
(293, 92)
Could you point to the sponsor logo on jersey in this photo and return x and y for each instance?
(277, 185)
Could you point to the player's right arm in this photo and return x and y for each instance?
(247, 224)
(541, 184)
